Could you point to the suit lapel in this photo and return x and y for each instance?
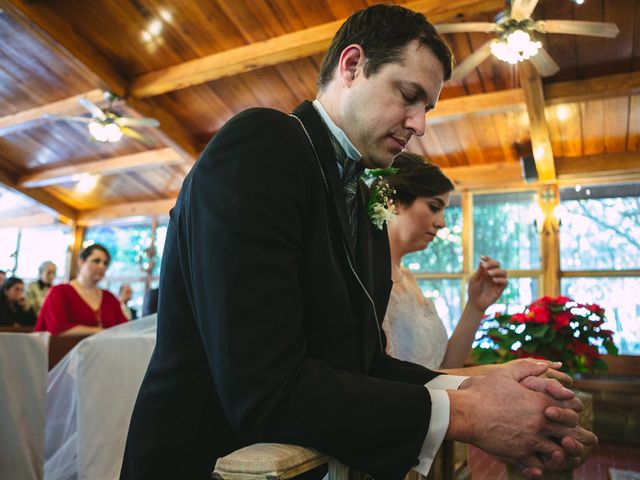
(320, 137)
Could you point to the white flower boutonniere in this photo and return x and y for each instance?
(381, 208)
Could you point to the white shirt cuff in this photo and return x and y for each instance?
(439, 419)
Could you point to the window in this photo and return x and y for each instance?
(131, 256)
(503, 229)
(438, 268)
(600, 254)
(8, 248)
(42, 244)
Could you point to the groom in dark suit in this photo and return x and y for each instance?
(275, 281)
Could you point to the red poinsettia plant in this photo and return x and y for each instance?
(556, 329)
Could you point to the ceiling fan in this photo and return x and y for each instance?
(516, 37)
(106, 125)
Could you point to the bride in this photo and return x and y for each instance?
(413, 328)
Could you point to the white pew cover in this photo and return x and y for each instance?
(91, 394)
(23, 404)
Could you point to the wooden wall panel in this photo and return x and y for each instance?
(615, 124)
(592, 118)
(618, 52)
(633, 135)
(562, 48)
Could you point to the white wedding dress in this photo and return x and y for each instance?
(415, 333)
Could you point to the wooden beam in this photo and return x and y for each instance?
(66, 106)
(593, 88)
(593, 166)
(43, 20)
(488, 175)
(104, 167)
(484, 103)
(285, 48)
(34, 220)
(123, 210)
(540, 139)
(556, 93)
(63, 211)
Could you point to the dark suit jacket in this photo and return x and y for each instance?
(264, 334)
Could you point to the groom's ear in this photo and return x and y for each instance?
(351, 64)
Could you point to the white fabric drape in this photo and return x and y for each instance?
(23, 404)
(91, 394)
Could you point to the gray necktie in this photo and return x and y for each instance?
(351, 170)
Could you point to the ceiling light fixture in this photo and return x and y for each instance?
(515, 46)
(109, 132)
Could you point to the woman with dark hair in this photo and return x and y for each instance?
(413, 328)
(80, 306)
(13, 305)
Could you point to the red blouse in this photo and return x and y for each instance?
(63, 308)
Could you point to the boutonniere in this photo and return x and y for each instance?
(380, 208)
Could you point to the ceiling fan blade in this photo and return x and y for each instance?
(67, 118)
(466, 27)
(472, 61)
(130, 132)
(578, 27)
(137, 122)
(92, 108)
(544, 64)
(521, 9)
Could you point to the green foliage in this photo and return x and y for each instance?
(556, 329)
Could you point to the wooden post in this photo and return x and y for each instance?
(550, 242)
(74, 250)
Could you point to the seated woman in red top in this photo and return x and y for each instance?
(80, 307)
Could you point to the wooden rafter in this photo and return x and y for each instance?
(486, 176)
(482, 176)
(540, 138)
(154, 207)
(104, 167)
(57, 207)
(66, 106)
(54, 31)
(485, 103)
(556, 93)
(285, 48)
(610, 86)
(593, 166)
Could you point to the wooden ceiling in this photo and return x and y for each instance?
(194, 64)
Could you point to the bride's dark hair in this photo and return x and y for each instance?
(417, 177)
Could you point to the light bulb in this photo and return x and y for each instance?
(515, 47)
(97, 131)
(112, 132)
(518, 40)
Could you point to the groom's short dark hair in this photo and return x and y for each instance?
(383, 31)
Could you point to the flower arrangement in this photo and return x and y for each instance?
(557, 329)
(380, 208)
